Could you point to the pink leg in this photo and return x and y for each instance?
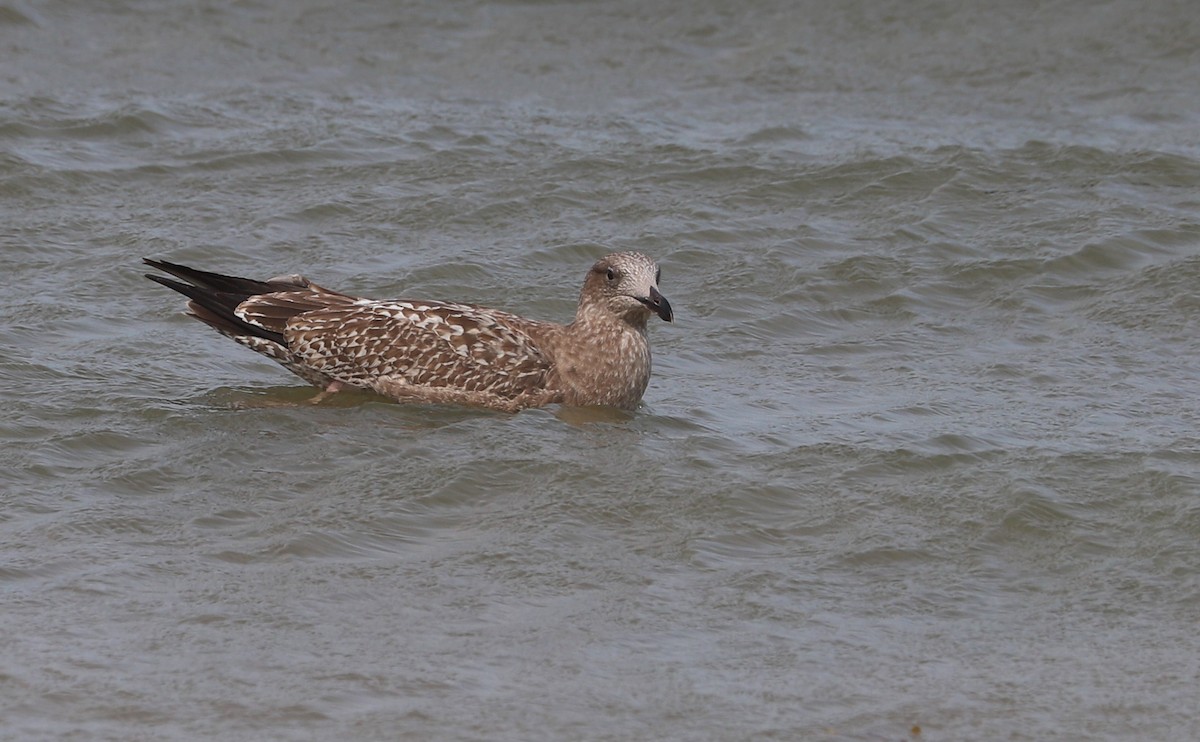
(333, 388)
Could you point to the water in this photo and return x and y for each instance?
(919, 459)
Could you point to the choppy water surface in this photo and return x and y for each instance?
(919, 459)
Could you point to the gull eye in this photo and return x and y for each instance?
(612, 274)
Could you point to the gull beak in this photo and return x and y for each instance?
(659, 304)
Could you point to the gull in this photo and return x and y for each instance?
(439, 352)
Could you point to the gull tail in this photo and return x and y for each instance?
(214, 298)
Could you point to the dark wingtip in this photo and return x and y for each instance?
(162, 265)
(179, 271)
(170, 283)
(209, 303)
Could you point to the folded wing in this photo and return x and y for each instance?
(422, 344)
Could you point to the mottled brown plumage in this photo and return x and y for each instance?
(442, 352)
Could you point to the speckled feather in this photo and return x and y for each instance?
(441, 352)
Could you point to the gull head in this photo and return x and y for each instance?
(625, 284)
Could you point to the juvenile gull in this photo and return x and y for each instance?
(442, 352)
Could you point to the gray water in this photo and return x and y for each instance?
(919, 460)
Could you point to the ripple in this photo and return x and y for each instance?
(926, 411)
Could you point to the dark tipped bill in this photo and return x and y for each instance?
(659, 304)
